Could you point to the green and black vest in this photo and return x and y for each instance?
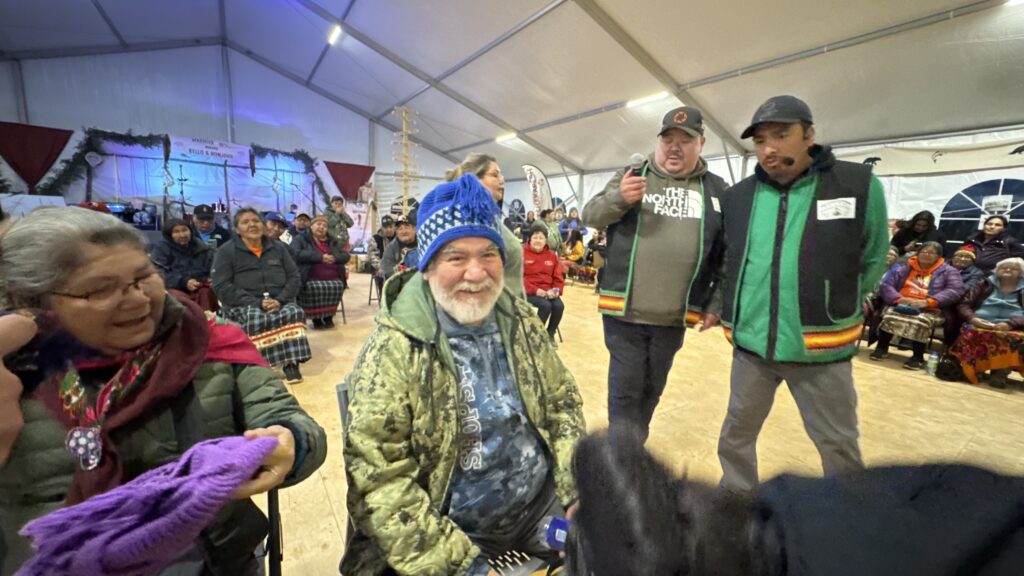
(831, 249)
(617, 280)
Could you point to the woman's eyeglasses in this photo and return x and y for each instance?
(110, 295)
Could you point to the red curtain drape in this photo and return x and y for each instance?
(349, 177)
(31, 150)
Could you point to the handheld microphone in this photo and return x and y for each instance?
(787, 160)
(636, 164)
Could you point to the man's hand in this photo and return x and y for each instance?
(276, 465)
(193, 284)
(632, 187)
(15, 332)
(708, 321)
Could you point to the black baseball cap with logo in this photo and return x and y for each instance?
(406, 219)
(686, 118)
(203, 212)
(387, 221)
(783, 109)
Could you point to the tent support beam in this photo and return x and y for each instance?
(728, 162)
(19, 93)
(110, 23)
(847, 43)
(630, 45)
(490, 46)
(229, 93)
(111, 49)
(320, 91)
(439, 86)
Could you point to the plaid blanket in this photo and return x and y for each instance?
(319, 298)
(279, 336)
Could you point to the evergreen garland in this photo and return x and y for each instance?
(302, 156)
(73, 169)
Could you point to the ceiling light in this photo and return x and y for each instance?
(1014, 2)
(335, 34)
(505, 137)
(647, 99)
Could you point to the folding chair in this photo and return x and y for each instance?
(374, 288)
(275, 540)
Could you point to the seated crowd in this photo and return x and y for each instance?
(977, 298)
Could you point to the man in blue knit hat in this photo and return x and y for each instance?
(463, 419)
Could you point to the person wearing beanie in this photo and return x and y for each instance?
(185, 263)
(462, 417)
(486, 169)
(321, 260)
(963, 260)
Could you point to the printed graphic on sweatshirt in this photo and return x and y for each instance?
(676, 202)
(502, 465)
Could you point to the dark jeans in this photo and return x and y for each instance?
(641, 357)
(548, 308)
(885, 338)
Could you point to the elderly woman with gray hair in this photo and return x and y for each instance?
(993, 333)
(919, 294)
(141, 373)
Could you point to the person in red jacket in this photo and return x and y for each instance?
(542, 279)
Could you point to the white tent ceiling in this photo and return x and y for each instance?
(559, 72)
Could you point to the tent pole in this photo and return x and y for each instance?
(227, 191)
(728, 162)
(19, 92)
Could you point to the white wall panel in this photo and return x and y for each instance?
(8, 97)
(273, 111)
(171, 91)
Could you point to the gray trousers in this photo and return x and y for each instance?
(827, 401)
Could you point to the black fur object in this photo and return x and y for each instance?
(636, 519)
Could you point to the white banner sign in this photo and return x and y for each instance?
(203, 150)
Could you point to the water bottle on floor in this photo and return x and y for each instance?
(933, 363)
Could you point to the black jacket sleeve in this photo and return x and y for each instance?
(304, 252)
(291, 288)
(224, 280)
(163, 257)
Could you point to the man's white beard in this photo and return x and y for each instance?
(468, 312)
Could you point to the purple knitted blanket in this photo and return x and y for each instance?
(143, 526)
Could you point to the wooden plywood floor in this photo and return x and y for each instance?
(906, 417)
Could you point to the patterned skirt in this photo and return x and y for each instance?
(911, 327)
(319, 298)
(981, 350)
(279, 336)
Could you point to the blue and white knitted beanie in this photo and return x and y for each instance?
(453, 210)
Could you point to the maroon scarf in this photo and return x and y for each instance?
(189, 340)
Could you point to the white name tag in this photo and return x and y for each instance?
(715, 205)
(838, 209)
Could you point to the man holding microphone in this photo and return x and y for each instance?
(663, 218)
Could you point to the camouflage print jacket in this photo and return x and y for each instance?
(338, 225)
(401, 443)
